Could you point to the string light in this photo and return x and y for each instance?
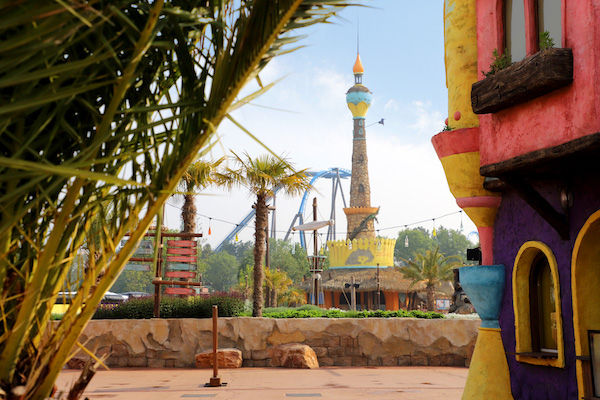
(209, 230)
(434, 232)
(461, 222)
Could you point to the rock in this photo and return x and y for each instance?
(227, 358)
(293, 355)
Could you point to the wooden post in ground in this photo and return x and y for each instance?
(215, 380)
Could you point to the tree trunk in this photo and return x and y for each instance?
(188, 213)
(260, 223)
(430, 298)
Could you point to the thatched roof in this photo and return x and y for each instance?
(390, 279)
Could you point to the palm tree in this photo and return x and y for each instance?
(196, 177)
(262, 176)
(104, 106)
(431, 268)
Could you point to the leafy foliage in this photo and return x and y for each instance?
(104, 106)
(452, 243)
(334, 313)
(546, 41)
(173, 307)
(500, 62)
(431, 268)
(221, 271)
(261, 176)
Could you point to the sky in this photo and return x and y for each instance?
(305, 118)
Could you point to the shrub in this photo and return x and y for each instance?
(315, 312)
(230, 305)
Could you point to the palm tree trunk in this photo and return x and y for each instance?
(430, 298)
(188, 213)
(260, 223)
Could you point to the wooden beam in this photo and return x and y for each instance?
(532, 77)
(578, 151)
(536, 201)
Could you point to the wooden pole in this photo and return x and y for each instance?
(157, 259)
(215, 380)
(353, 294)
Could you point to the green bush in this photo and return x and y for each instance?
(173, 307)
(315, 312)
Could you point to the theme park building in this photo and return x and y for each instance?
(367, 259)
(521, 158)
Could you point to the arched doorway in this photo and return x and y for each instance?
(585, 281)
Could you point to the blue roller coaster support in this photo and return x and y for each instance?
(335, 174)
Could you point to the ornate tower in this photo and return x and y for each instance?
(360, 213)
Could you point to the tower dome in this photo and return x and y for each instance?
(358, 97)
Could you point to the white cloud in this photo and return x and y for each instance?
(427, 120)
(391, 106)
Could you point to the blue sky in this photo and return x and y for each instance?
(401, 47)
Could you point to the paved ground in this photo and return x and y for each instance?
(399, 383)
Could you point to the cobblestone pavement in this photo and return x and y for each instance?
(414, 383)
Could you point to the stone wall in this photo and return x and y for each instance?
(342, 342)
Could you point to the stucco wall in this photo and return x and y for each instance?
(343, 342)
(516, 224)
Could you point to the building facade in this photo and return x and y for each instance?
(521, 156)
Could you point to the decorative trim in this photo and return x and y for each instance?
(464, 140)
(581, 338)
(360, 210)
(521, 272)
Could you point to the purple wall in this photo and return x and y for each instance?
(517, 223)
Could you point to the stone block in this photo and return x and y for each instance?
(227, 358)
(320, 351)
(152, 353)
(156, 363)
(182, 364)
(260, 354)
(168, 355)
(76, 363)
(137, 362)
(119, 362)
(389, 361)
(403, 361)
(293, 355)
(120, 350)
(346, 341)
(169, 363)
(359, 361)
(326, 361)
(336, 351)
(262, 363)
(342, 361)
(418, 360)
(374, 361)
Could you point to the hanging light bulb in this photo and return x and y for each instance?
(209, 230)
(406, 241)
(237, 239)
(461, 222)
(434, 232)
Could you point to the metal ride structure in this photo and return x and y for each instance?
(335, 174)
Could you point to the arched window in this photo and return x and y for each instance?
(536, 302)
(542, 305)
(361, 188)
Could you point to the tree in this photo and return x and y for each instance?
(431, 268)
(278, 283)
(450, 241)
(104, 107)
(197, 176)
(134, 281)
(261, 176)
(419, 241)
(294, 264)
(221, 271)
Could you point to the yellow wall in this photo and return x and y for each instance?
(460, 55)
(521, 273)
(585, 281)
(364, 251)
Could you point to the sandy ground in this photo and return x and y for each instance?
(414, 383)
